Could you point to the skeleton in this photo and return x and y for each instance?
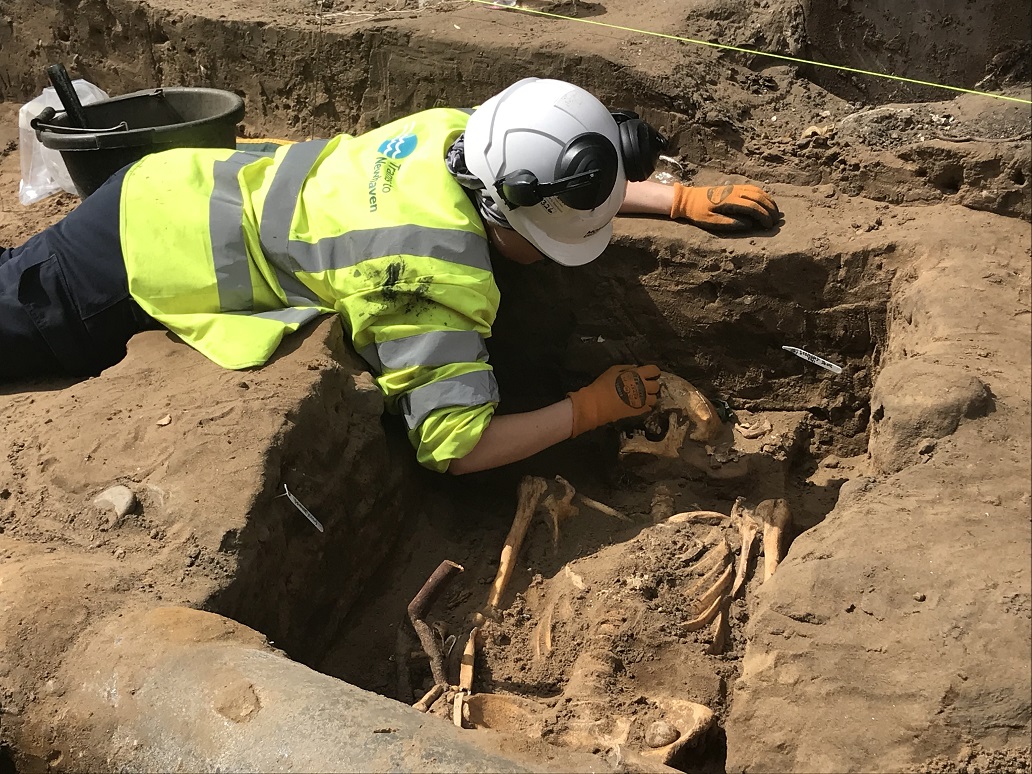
(588, 714)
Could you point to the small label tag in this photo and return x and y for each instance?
(818, 361)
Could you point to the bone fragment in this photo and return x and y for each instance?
(420, 606)
(575, 579)
(720, 631)
(531, 490)
(560, 507)
(543, 636)
(424, 704)
(603, 508)
(513, 714)
(754, 429)
(458, 704)
(704, 617)
(662, 503)
(718, 557)
(716, 591)
(468, 658)
(776, 518)
(748, 529)
(698, 517)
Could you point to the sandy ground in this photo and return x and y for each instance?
(894, 636)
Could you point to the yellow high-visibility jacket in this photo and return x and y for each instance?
(232, 250)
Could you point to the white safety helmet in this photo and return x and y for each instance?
(549, 155)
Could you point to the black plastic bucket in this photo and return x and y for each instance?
(127, 128)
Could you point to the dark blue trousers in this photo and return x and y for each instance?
(65, 307)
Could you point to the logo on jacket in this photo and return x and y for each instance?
(388, 162)
(401, 145)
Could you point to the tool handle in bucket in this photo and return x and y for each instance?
(66, 93)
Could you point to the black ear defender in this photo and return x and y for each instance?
(584, 176)
(640, 145)
(586, 169)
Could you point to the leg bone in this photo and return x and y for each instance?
(531, 490)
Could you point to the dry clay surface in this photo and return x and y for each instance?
(894, 636)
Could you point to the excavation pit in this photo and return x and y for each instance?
(717, 315)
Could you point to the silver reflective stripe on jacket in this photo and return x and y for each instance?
(472, 389)
(281, 201)
(340, 252)
(435, 348)
(291, 315)
(345, 250)
(226, 230)
(229, 252)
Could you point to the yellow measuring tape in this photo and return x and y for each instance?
(725, 47)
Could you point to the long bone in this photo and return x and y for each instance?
(776, 518)
(748, 528)
(530, 492)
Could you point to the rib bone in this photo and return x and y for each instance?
(720, 631)
(698, 517)
(704, 617)
(716, 591)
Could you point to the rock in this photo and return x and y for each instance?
(118, 501)
(660, 734)
(913, 403)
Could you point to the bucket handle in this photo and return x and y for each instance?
(41, 122)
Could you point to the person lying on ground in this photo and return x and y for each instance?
(394, 230)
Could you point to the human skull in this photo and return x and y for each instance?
(681, 412)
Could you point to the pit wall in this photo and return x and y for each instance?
(297, 79)
(882, 614)
(953, 42)
(301, 78)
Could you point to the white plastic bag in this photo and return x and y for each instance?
(43, 171)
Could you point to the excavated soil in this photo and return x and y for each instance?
(895, 635)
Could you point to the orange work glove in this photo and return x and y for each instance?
(622, 391)
(724, 207)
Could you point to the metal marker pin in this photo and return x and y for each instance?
(818, 361)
